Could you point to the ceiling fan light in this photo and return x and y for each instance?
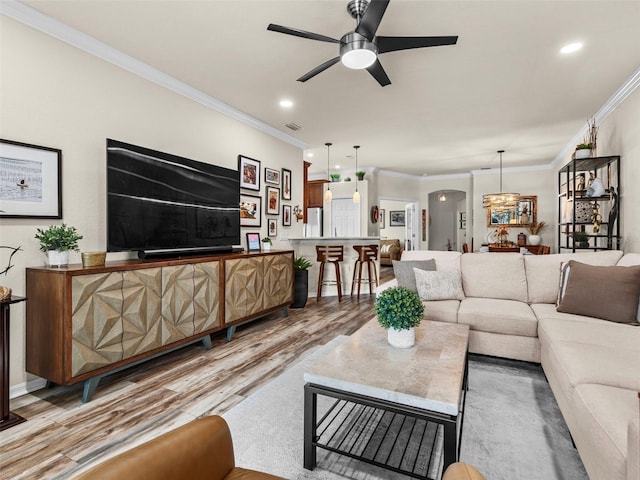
(358, 59)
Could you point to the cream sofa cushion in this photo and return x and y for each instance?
(494, 275)
(602, 433)
(543, 271)
(506, 317)
(444, 260)
(441, 310)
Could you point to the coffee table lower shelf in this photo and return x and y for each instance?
(400, 438)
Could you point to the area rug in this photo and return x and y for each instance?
(513, 429)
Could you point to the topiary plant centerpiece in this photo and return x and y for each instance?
(399, 310)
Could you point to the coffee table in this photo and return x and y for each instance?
(396, 408)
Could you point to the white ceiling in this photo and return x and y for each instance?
(448, 109)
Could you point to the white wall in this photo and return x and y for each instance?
(388, 231)
(54, 95)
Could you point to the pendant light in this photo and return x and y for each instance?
(328, 195)
(356, 194)
(500, 201)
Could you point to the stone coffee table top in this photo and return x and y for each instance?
(428, 376)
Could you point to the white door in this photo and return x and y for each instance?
(411, 226)
(345, 218)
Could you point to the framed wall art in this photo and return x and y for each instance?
(249, 173)
(271, 176)
(272, 195)
(250, 210)
(396, 218)
(253, 242)
(286, 215)
(31, 181)
(272, 227)
(381, 218)
(286, 184)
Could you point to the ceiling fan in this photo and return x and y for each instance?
(359, 49)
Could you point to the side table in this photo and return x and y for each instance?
(8, 419)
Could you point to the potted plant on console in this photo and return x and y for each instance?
(266, 244)
(301, 282)
(534, 230)
(399, 310)
(58, 241)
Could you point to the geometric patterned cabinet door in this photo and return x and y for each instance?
(278, 280)
(141, 312)
(177, 302)
(96, 319)
(206, 296)
(244, 280)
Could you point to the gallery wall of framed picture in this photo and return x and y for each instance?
(277, 188)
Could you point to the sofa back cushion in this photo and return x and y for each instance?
(494, 275)
(543, 271)
(444, 260)
(404, 271)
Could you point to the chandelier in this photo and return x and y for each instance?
(500, 201)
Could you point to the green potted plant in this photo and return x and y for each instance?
(335, 177)
(583, 150)
(58, 241)
(581, 239)
(399, 310)
(360, 175)
(534, 230)
(266, 244)
(301, 268)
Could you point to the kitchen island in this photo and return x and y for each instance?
(306, 247)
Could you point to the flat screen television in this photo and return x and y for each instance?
(162, 205)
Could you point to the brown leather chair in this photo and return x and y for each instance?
(199, 450)
(462, 471)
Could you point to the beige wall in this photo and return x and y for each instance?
(54, 95)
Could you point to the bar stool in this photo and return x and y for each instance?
(329, 254)
(366, 254)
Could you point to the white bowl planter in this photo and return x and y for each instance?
(401, 338)
(534, 239)
(58, 258)
(583, 153)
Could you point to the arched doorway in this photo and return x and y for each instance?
(448, 217)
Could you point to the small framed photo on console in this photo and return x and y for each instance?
(253, 242)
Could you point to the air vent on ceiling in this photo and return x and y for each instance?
(293, 126)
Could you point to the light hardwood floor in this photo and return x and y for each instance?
(63, 436)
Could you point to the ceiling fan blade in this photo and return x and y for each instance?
(392, 44)
(379, 74)
(300, 33)
(371, 18)
(319, 69)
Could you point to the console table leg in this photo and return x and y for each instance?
(206, 342)
(89, 389)
(450, 444)
(230, 331)
(310, 411)
(285, 312)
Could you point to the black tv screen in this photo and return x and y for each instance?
(159, 204)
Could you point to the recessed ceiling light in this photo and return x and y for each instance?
(572, 47)
(337, 166)
(310, 154)
(286, 103)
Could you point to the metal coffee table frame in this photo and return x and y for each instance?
(451, 424)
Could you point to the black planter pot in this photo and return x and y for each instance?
(301, 284)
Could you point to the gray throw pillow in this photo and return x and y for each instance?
(403, 271)
(444, 285)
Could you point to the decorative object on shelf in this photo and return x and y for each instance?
(5, 293)
(596, 218)
(356, 194)
(37, 190)
(399, 310)
(272, 227)
(613, 216)
(596, 187)
(535, 229)
(328, 195)
(14, 250)
(93, 259)
(249, 169)
(272, 196)
(253, 241)
(581, 183)
(522, 239)
(58, 241)
(286, 184)
(375, 214)
(250, 210)
(286, 215)
(500, 200)
(583, 212)
(583, 150)
(346, 179)
(502, 234)
(266, 243)
(335, 177)
(301, 268)
(360, 175)
(271, 176)
(581, 238)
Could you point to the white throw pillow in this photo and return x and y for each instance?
(439, 285)
(385, 248)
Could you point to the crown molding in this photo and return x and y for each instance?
(529, 168)
(39, 21)
(446, 176)
(619, 96)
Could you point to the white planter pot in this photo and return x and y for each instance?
(583, 153)
(401, 338)
(266, 246)
(534, 239)
(58, 259)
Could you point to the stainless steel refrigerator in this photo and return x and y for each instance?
(314, 222)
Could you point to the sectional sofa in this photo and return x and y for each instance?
(592, 365)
